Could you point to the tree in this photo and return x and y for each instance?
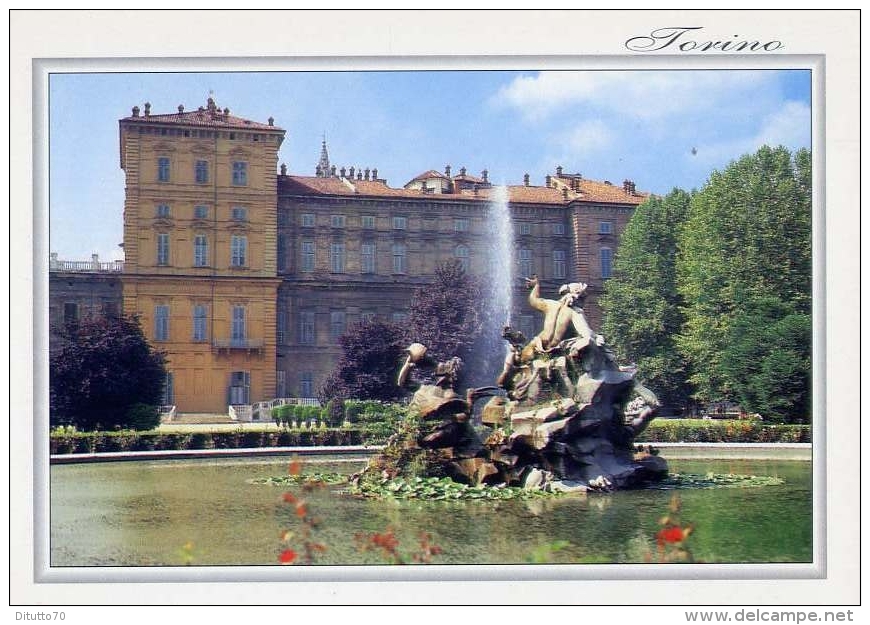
(773, 382)
(372, 352)
(445, 315)
(104, 369)
(641, 303)
(748, 236)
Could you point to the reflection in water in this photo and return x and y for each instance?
(146, 513)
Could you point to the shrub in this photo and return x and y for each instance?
(141, 417)
(730, 431)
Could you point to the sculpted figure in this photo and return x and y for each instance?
(561, 320)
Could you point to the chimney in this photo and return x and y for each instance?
(180, 108)
(318, 171)
(447, 171)
(565, 193)
(484, 174)
(226, 112)
(633, 188)
(368, 173)
(271, 121)
(526, 180)
(462, 171)
(332, 171)
(359, 175)
(284, 169)
(135, 111)
(559, 171)
(343, 171)
(548, 179)
(147, 109)
(375, 173)
(352, 169)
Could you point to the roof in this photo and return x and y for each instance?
(210, 116)
(591, 191)
(428, 175)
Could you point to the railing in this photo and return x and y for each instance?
(167, 413)
(86, 266)
(238, 343)
(239, 412)
(262, 411)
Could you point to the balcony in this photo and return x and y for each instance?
(250, 345)
(84, 266)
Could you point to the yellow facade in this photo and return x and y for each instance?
(200, 247)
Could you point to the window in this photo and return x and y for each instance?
(281, 327)
(306, 327)
(462, 255)
(460, 225)
(240, 387)
(400, 223)
(70, 312)
(560, 267)
(368, 222)
(400, 317)
(525, 228)
(336, 257)
(163, 169)
(306, 384)
(240, 173)
(367, 258)
(167, 394)
(111, 310)
(307, 220)
(199, 323)
(161, 322)
(337, 324)
(281, 382)
(239, 249)
(200, 212)
(605, 227)
(527, 267)
(200, 251)
(367, 315)
(201, 172)
(162, 249)
(308, 256)
(163, 210)
(282, 256)
(240, 213)
(239, 329)
(559, 228)
(399, 258)
(606, 262)
(337, 221)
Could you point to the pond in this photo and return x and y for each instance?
(206, 512)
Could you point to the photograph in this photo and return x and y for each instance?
(536, 318)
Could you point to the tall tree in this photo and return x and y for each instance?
(748, 236)
(104, 368)
(372, 353)
(641, 303)
(445, 315)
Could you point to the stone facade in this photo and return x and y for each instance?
(246, 277)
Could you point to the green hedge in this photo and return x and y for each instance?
(99, 442)
(725, 431)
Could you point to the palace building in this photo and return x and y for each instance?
(247, 275)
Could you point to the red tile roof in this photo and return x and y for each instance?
(212, 116)
(427, 175)
(591, 191)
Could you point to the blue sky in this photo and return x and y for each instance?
(607, 125)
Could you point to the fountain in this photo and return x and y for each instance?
(562, 415)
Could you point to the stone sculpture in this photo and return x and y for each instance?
(564, 414)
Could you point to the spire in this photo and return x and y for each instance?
(323, 163)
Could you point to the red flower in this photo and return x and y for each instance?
(301, 510)
(670, 535)
(295, 467)
(287, 556)
(289, 498)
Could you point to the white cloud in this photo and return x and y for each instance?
(639, 94)
(588, 136)
(788, 126)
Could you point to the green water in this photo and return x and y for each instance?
(144, 513)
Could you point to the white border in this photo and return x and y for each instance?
(543, 40)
